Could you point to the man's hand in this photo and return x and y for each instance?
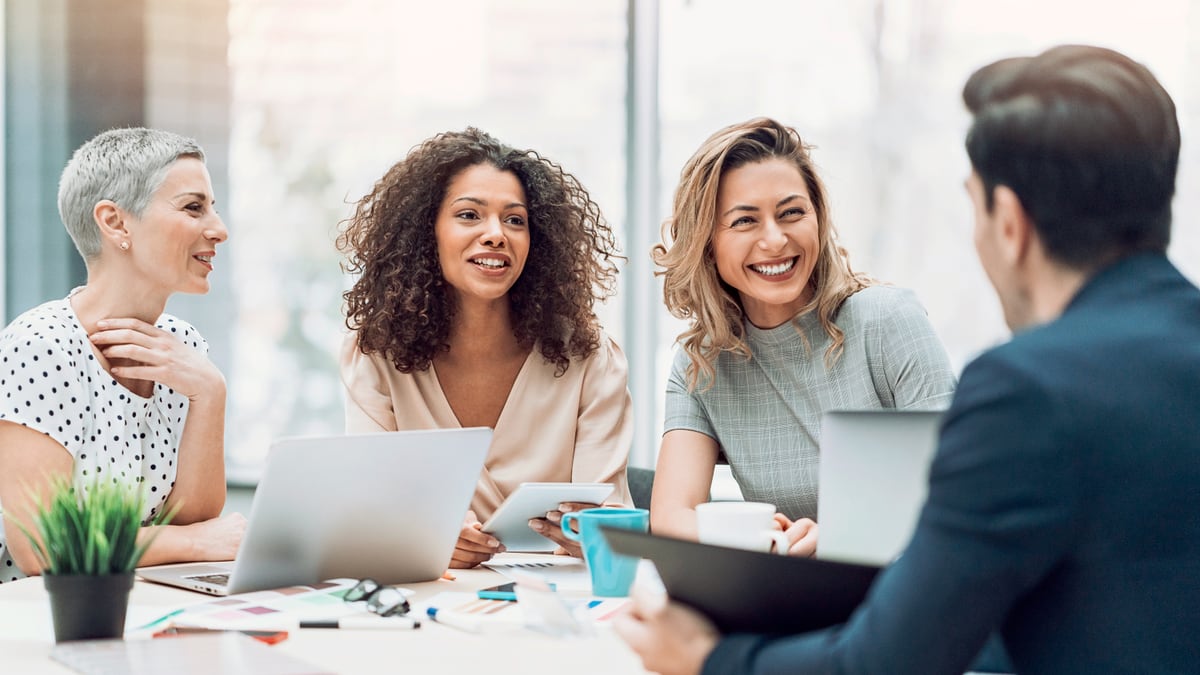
(670, 638)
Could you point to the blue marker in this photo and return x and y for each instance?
(466, 622)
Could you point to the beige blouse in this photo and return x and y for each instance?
(573, 428)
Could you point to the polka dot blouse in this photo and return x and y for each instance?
(51, 381)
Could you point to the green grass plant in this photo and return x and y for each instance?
(92, 531)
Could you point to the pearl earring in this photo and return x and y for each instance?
(124, 246)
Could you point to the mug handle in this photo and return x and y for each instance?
(779, 541)
(567, 530)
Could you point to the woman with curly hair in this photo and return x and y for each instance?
(480, 265)
(780, 331)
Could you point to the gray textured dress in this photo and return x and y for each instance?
(765, 411)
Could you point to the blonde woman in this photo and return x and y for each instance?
(781, 330)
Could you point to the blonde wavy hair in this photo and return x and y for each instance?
(692, 288)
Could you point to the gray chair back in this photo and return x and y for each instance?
(641, 483)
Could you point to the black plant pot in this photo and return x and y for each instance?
(88, 607)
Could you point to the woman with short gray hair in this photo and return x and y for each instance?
(102, 384)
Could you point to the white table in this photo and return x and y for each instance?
(434, 648)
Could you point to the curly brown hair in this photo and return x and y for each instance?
(400, 306)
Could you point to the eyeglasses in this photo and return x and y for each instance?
(381, 600)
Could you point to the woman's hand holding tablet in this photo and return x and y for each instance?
(510, 522)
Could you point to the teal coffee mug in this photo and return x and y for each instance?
(612, 573)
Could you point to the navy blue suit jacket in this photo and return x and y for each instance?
(1063, 509)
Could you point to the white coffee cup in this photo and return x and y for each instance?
(748, 525)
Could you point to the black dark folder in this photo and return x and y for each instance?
(747, 591)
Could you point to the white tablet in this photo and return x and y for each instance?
(510, 522)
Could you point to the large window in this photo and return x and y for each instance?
(321, 96)
(875, 86)
(327, 94)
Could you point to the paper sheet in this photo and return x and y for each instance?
(569, 575)
(276, 609)
(552, 613)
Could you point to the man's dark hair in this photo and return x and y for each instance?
(1088, 140)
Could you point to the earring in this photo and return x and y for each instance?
(124, 246)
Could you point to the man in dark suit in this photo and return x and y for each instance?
(1064, 499)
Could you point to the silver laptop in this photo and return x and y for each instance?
(388, 506)
(874, 474)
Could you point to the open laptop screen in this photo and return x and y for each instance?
(874, 475)
(386, 505)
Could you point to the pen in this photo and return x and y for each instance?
(364, 623)
(265, 636)
(460, 621)
(161, 619)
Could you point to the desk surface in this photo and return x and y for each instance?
(433, 648)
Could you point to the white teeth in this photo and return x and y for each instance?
(489, 262)
(772, 270)
(204, 258)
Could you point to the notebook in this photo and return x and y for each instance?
(388, 506)
(874, 475)
(748, 591)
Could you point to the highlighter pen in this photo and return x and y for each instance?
(364, 623)
(161, 619)
(266, 636)
(465, 622)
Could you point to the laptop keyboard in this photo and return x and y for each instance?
(216, 579)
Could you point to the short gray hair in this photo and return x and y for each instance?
(126, 166)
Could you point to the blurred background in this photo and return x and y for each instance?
(302, 104)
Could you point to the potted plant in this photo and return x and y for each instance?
(87, 544)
